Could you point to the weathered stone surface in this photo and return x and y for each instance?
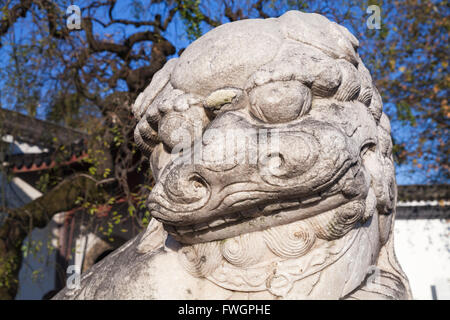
(274, 173)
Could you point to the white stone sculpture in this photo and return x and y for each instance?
(274, 173)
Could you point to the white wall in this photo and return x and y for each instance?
(37, 274)
(422, 247)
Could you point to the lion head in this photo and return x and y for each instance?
(261, 123)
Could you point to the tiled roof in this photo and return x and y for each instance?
(29, 162)
(423, 202)
(48, 136)
(434, 192)
(38, 132)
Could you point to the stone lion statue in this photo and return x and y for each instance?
(274, 173)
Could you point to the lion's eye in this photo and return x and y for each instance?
(280, 101)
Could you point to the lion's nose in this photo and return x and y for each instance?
(184, 186)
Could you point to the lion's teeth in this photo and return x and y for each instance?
(216, 223)
(272, 207)
(231, 218)
(311, 199)
(200, 226)
(289, 204)
(251, 212)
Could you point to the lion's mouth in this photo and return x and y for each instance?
(264, 216)
(269, 214)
